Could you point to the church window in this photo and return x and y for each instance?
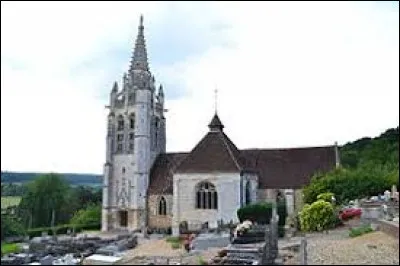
(132, 121)
(162, 206)
(131, 136)
(206, 196)
(120, 123)
(119, 147)
(248, 194)
(120, 137)
(123, 170)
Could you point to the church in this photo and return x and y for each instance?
(146, 187)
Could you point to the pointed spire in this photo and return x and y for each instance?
(161, 91)
(216, 124)
(115, 87)
(139, 57)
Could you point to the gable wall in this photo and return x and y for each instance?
(184, 199)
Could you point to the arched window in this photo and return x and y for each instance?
(206, 196)
(132, 121)
(248, 194)
(162, 206)
(120, 123)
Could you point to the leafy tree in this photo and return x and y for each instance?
(43, 203)
(10, 227)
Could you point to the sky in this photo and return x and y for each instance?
(288, 74)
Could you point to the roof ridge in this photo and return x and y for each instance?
(230, 152)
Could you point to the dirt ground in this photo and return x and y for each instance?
(159, 251)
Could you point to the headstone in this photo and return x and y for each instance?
(303, 251)
(386, 195)
(48, 260)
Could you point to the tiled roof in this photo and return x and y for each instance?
(215, 152)
(288, 168)
(162, 171)
(276, 168)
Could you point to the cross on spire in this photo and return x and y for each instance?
(215, 99)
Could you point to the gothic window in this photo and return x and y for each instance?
(132, 121)
(206, 196)
(131, 136)
(162, 206)
(248, 195)
(120, 123)
(120, 137)
(123, 170)
(119, 147)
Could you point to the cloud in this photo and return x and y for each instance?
(288, 74)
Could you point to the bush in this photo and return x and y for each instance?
(89, 215)
(261, 213)
(62, 229)
(317, 217)
(327, 196)
(175, 245)
(358, 231)
(7, 248)
(10, 227)
(347, 184)
(173, 239)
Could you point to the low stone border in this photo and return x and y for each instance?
(388, 227)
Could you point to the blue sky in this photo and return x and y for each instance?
(289, 74)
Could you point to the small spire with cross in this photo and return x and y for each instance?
(215, 99)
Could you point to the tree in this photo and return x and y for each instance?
(47, 195)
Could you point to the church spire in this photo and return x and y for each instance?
(139, 57)
(216, 124)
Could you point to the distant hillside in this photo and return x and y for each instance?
(382, 150)
(73, 179)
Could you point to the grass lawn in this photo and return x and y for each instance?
(9, 248)
(10, 201)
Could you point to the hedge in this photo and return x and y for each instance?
(61, 229)
(261, 213)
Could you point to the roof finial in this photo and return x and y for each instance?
(216, 98)
(141, 20)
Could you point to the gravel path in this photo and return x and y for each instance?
(338, 248)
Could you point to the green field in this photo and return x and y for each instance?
(9, 201)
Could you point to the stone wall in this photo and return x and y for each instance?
(157, 221)
(184, 199)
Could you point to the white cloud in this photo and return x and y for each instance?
(290, 74)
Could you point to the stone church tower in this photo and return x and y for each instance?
(135, 136)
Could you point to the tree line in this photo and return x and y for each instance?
(49, 201)
(369, 166)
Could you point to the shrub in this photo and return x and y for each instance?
(89, 215)
(172, 239)
(10, 227)
(350, 213)
(7, 248)
(261, 213)
(175, 245)
(327, 196)
(358, 231)
(317, 217)
(62, 229)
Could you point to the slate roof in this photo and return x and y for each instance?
(162, 171)
(276, 168)
(288, 168)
